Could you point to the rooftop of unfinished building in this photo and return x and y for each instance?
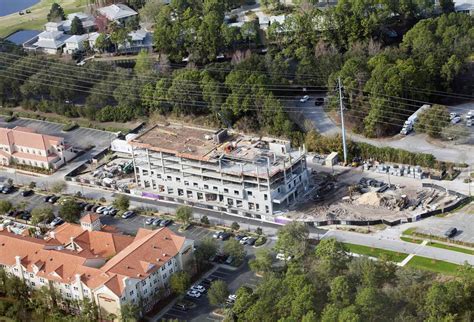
(213, 145)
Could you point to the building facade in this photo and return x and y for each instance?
(223, 170)
(89, 261)
(25, 147)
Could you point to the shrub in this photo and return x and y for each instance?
(260, 241)
(70, 126)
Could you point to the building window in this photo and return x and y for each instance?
(169, 263)
(31, 275)
(195, 185)
(206, 186)
(226, 190)
(178, 179)
(164, 275)
(68, 286)
(168, 178)
(199, 196)
(131, 293)
(249, 193)
(41, 280)
(236, 192)
(215, 188)
(144, 282)
(265, 197)
(163, 268)
(75, 288)
(186, 183)
(32, 283)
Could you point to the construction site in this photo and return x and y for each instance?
(353, 198)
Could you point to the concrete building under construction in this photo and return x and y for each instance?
(221, 170)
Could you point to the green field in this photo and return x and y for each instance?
(452, 248)
(376, 252)
(433, 265)
(37, 18)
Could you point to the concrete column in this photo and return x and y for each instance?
(134, 165)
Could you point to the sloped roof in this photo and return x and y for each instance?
(26, 137)
(117, 11)
(155, 248)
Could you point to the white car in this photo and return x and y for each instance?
(100, 209)
(243, 240)
(198, 288)
(194, 294)
(281, 257)
(456, 120)
(231, 298)
(304, 99)
(452, 115)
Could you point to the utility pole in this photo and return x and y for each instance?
(342, 121)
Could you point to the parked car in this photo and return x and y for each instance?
(25, 215)
(251, 241)
(319, 101)
(46, 199)
(281, 257)
(101, 209)
(239, 237)
(56, 221)
(243, 241)
(149, 220)
(451, 232)
(229, 260)
(456, 120)
(225, 236)
(217, 234)
(156, 222)
(198, 288)
(304, 99)
(208, 281)
(193, 294)
(452, 115)
(220, 258)
(88, 207)
(231, 299)
(26, 193)
(128, 214)
(53, 199)
(165, 222)
(112, 212)
(7, 189)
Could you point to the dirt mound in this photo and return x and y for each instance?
(369, 199)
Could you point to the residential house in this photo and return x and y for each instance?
(138, 40)
(87, 20)
(119, 13)
(75, 43)
(23, 146)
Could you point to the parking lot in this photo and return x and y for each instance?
(462, 221)
(79, 137)
(203, 310)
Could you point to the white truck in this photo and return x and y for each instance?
(410, 122)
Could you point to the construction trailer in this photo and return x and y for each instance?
(222, 170)
(409, 124)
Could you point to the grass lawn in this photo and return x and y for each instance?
(411, 240)
(409, 231)
(453, 248)
(433, 265)
(37, 18)
(376, 252)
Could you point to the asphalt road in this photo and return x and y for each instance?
(444, 151)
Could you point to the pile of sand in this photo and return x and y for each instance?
(369, 199)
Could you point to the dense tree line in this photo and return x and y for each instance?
(326, 284)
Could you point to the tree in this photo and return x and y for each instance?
(370, 302)
(76, 27)
(218, 293)
(70, 211)
(207, 248)
(102, 43)
(262, 262)
(235, 226)
(129, 312)
(233, 248)
(119, 37)
(453, 132)
(58, 187)
(204, 220)
(56, 13)
(150, 10)
(184, 214)
(32, 185)
(332, 255)
(5, 206)
(41, 214)
(292, 239)
(259, 231)
(433, 120)
(341, 291)
(143, 64)
(447, 6)
(122, 202)
(180, 282)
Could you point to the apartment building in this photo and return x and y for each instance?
(95, 262)
(222, 170)
(22, 145)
